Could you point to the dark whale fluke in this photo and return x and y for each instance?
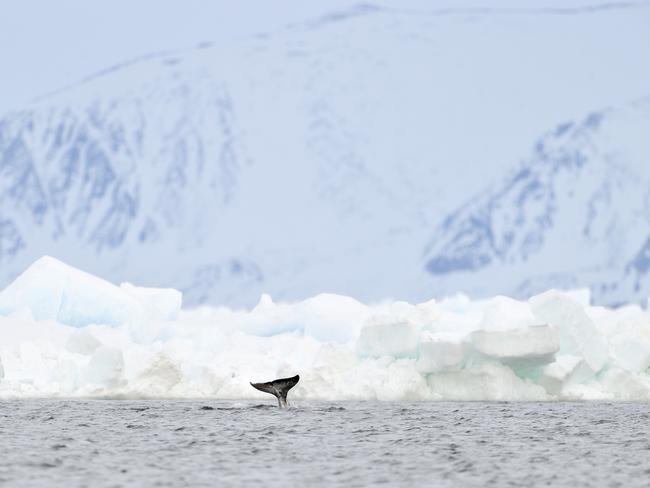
(278, 388)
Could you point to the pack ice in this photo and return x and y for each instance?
(66, 333)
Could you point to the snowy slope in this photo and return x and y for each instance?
(313, 159)
(576, 213)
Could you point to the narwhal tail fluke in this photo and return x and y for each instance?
(278, 388)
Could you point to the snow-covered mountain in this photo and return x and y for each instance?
(577, 213)
(319, 158)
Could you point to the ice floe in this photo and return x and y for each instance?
(66, 333)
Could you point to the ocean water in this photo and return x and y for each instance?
(219, 443)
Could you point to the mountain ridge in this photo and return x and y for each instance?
(508, 226)
(310, 160)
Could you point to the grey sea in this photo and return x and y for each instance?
(218, 443)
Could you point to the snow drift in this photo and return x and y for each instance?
(66, 333)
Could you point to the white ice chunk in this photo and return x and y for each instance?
(159, 303)
(440, 352)
(458, 303)
(564, 371)
(400, 381)
(429, 309)
(159, 378)
(484, 382)
(106, 368)
(504, 313)
(386, 336)
(82, 342)
(628, 335)
(423, 316)
(624, 385)
(578, 333)
(523, 347)
(458, 315)
(65, 375)
(38, 289)
(580, 295)
(53, 290)
(332, 318)
(326, 317)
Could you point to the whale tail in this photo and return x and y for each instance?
(278, 388)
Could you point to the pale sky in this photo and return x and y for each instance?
(46, 45)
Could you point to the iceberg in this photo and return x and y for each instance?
(526, 346)
(561, 373)
(158, 303)
(388, 336)
(50, 289)
(578, 333)
(66, 333)
(441, 352)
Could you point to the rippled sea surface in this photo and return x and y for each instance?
(210, 443)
